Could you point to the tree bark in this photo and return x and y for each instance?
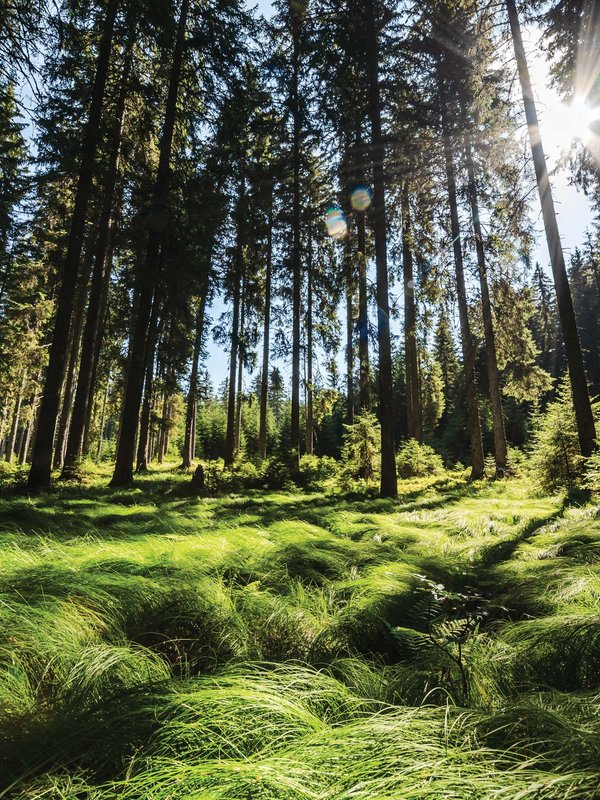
(413, 393)
(310, 428)
(296, 254)
(187, 452)
(154, 331)
(41, 462)
(264, 378)
(389, 481)
(349, 334)
(579, 388)
(468, 345)
(500, 449)
(123, 473)
(92, 334)
(237, 438)
(12, 438)
(235, 325)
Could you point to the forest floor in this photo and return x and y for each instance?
(299, 646)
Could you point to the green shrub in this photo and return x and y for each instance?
(316, 470)
(415, 460)
(556, 460)
(362, 447)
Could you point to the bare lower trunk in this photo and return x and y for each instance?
(235, 327)
(12, 438)
(579, 388)
(349, 335)
(143, 449)
(296, 259)
(500, 450)
(187, 452)
(468, 345)
(413, 393)
(264, 378)
(310, 430)
(237, 439)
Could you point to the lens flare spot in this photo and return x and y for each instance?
(360, 198)
(335, 221)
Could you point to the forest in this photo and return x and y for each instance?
(299, 378)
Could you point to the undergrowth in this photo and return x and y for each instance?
(155, 644)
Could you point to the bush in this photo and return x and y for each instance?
(316, 470)
(555, 456)
(362, 447)
(415, 460)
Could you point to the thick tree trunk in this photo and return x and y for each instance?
(296, 257)
(123, 473)
(41, 462)
(349, 334)
(94, 323)
(413, 393)
(468, 345)
(187, 452)
(102, 419)
(500, 450)
(264, 378)
(579, 388)
(389, 481)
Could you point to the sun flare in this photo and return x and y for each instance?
(567, 123)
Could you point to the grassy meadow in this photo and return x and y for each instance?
(299, 646)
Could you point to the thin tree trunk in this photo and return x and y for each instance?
(579, 388)
(103, 419)
(413, 394)
(264, 378)
(389, 482)
(71, 376)
(41, 463)
(349, 335)
(296, 255)
(310, 428)
(154, 330)
(94, 323)
(187, 452)
(237, 438)
(123, 473)
(468, 345)
(363, 313)
(162, 437)
(12, 438)
(235, 326)
(500, 449)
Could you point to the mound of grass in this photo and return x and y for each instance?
(279, 645)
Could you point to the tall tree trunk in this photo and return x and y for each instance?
(237, 437)
(500, 450)
(264, 378)
(389, 481)
(296, 255)
(579, 388)
(363, 319)
(94, 323)
(310, 427)
(413, 394)
(123, 473)
(187, 452)
(41, 462)
(349, 334)
(468, 345)
(154, 332)
(103, 418)
(71, 375)
(235, 324)
(12, 438)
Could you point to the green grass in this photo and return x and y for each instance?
(154, 644)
